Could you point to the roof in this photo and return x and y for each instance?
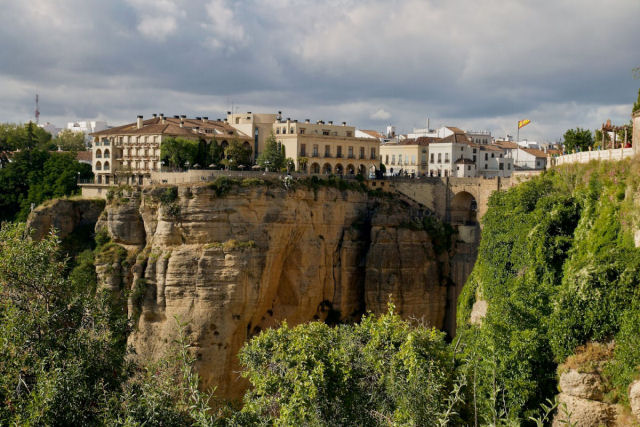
(534, 152)
(457, 137)
(456, 130)
(372, 133)
(489, 147)
(506, 144)
(171, 127)
(84, 156)
(554, 152)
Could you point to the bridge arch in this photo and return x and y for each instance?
(464, 208)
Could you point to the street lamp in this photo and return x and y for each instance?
(78, 181)
(186, 164)
(266, 165)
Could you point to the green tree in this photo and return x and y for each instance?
(176, 152)
(23, 137)
(578, 139)
(272, 157)
(237, 154)
(69, 140)
(382, 371)
(62, 345)
(216, 152)
(636, 105)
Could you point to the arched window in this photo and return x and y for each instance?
(98, 166)
(106, 153)
(106, 166)
(98, 154)
(315, 168)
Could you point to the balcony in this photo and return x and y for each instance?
(315, 154)
(302, 154)
(351, 156)
(339, 156)
(327, 155)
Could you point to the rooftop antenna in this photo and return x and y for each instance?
(37, 110)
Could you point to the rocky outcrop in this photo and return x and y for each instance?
(64, 215)
(582, 399)
(634, 398)
(230, 266)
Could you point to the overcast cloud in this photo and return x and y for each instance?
(479, 64)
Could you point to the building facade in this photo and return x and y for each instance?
(129, 153)
(326, 148)
(408, 157)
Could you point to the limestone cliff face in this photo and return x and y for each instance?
(230, 266)
(63, 215)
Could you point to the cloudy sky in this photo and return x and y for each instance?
(475, 64)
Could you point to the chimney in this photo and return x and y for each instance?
(330, 122)
(248, 112)
(228, 113)
(344, 123)
(198, 118)
(176, 117)
(197, 129)
(162, 118)
(183, 116)
(307, 121)
(139, 122)
(154, 115)
(204, 119)
(288, 119)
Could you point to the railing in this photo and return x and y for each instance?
(587, 156)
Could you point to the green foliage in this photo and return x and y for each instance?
(169, 195)
(636, 105)
(272, 158)
(63, 346)
(237, 154)
(578, 139)
(440, 233)
(222, 185)
(34, 176)
(382, 371)
(176, 152)
(22, 137)
(558, 268)
(68, 140)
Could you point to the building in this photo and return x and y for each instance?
(51, 128)
(524, 158)
(327, 148)
(444, 153)
(480, 137)
(406, 157)
(258, 126)
(492, 161)
(128, 153)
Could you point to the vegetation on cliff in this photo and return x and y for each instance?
(558, 268)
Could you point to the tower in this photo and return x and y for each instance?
(37, 110)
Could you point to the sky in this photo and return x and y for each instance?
(477, 65)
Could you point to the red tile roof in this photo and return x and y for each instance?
(84, 156)
(535, 152)
(171, 127)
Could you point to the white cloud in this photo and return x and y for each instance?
(157, 19)
(381, 114)
(223, 28)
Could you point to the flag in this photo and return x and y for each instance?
(523, 123)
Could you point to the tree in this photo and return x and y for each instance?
(578, 139)
(216, 152)
(23, 137)
(176, 152)
(381, 371)
(236, 154)
(69, 140)
(272, 158)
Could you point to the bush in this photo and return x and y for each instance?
(169, 195)
(381, 371)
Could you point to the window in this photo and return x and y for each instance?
(277, 131)
(351, 152)
(325, 132)
(362, 152)
(474, 159)
(386, 159)
(339, 151)
(457, 168)
(424, 157)
(399, 159)
(237, 120)
(432, 161)
(315, 150)
(486, 156)
(461, 148)
(474, 151)
(373, 153)
(284, 130)
(393, 159)
(301, 131)
(509, 166)
(413, 159)
(493, 155)
(439, 157)
(446, 157)
(501, 166)
(500, 155)
(485, 166)
(303, 150)
(468, 168)
(349, 133)
(327, 151)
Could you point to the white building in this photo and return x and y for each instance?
(87, 126)
(51, 128)
(480, 136)
(441, 132)
(493, 161)
(444, 154)
(524, 158)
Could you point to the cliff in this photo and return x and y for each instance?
(230, 262)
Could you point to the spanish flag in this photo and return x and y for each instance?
(523, 123)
